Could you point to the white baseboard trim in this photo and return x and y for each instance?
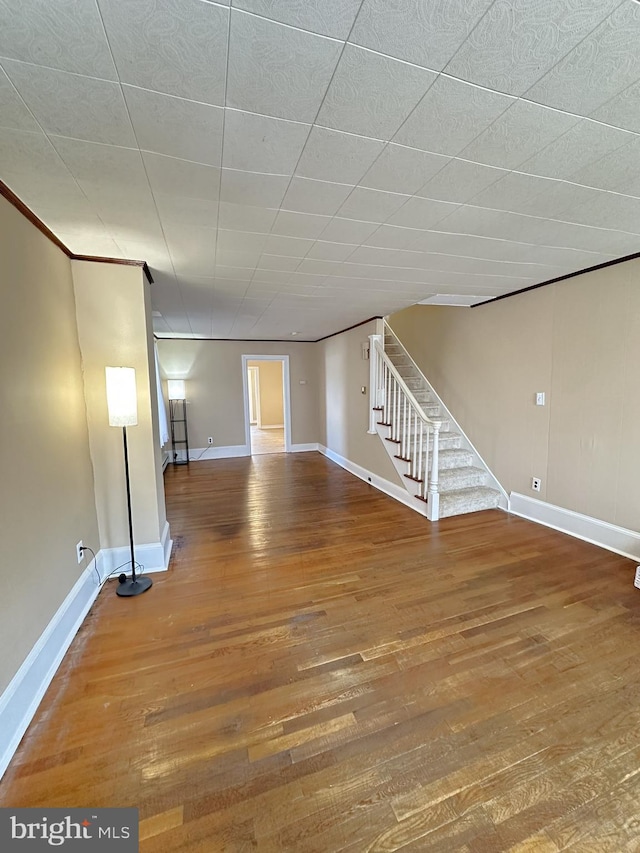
(620, 540)
(200, 454)
(20, 700)
(153, 556)
(24, 693)
(304, 448)
(271, 426)
(396, 492)
(166, 456)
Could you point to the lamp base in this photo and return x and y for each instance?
(133, 587)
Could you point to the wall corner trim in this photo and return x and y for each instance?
(620, 540)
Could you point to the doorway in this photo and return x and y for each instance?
(267, 403)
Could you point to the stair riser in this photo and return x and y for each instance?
(457, 478)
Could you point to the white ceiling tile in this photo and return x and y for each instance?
(557, 201)
(71, 105)
(617, 170)
(187, 211)
(173, 46)
(176, 127)
(518, 40)
(403, 170)
(171, 176)
(96, 243)
(67, 35)
(233, 273)
(308, 196)
(242, 257)
(252, 188)
(371, 205)
(519, 133)
(425, 33)
(262, 144)
(316, 267)
(391, 237)
(28, 153)
(13, 112)
(335, 156)
(326, 251)
(460, 180)
(193, 250)
(461, 244)
(372, 94)
(155, 254)
(421, 213)
(300, 224)
(488, 223)
(512, 192)
(102, 164)
(609, 210)
(622, 110)
(326, 17)
(277, 70)
(373, 255)
(244, 217)
(236, 241)
(450, 115)
(347, 231)
(584, 143)
(294, 247)
(604, 63)
(279, 263)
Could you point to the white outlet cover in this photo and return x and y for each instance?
(540, 398)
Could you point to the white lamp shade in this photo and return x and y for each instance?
(176, 389)
(122, 399)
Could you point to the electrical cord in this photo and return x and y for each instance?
(138, 566)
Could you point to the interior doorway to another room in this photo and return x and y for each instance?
(266, 403)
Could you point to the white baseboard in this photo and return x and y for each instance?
(396, 492)
(304, 448)
(153, 556)
(620, 540)
(271, 426)
(24, 693)
(20, 700)
(166, 456)
(200, 454)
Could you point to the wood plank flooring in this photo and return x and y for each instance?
(323, 670)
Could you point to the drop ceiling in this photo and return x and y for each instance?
(301, 165)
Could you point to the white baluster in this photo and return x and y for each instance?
(434, 493)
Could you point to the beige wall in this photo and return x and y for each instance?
(114, 329)
(215, 403)
(270, 388)
(344, 409)
(46, 498)
(579, 342)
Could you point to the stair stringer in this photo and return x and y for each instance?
(402, 467)
(465, 442)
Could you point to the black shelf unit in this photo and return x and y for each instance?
(179, 432)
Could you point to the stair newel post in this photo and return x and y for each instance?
(374, 381)
(434, 492)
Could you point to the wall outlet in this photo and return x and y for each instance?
(210, 440)
(539, 398)
(80, 551)
(536, 484)
(636, 581)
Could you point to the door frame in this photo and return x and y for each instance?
(286, 389)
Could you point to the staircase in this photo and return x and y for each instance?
(460, 482)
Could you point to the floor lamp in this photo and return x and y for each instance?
(122, 403)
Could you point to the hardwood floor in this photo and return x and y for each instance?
(266, 441)
(323, 670)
